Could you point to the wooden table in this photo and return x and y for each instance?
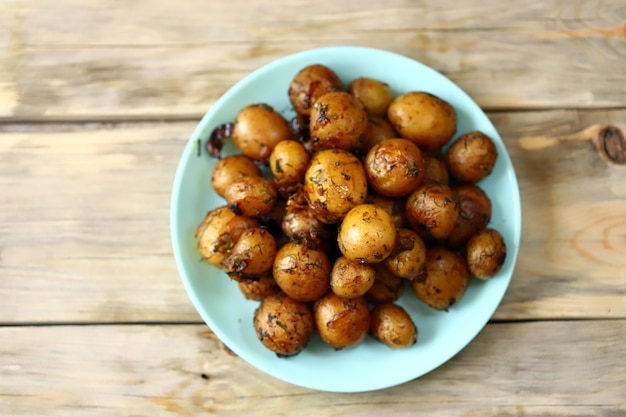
(97, 100)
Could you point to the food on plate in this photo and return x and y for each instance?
(474, 214)
(258, 288)
(351, 279)
(432, 211)
(338, 120)
(341, 322)
(387, 288)
(301, 272)
(252, 255)
(257, 129)
(367, 234)
(309, 84)
(408, 258)
(472, 157)
(393, 326)
(288, 162)
(374, 94)
(283, 325)
(251, 196)
(230, 168)
(377, 130)
(436, 169)
(486, 253)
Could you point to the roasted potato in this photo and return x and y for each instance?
(218, 232)
(408, 258)
(309, 84)
(377, 130)
(387, 287)
(425, 119)
(341, 322)
(393, 326)
(394, 167)
(436, 169)
(444, 279)
(474, 214)
(283, 325)
(251, 196)
(366, 234)
(334, 183)
(230, 168)
(302, 273)
(338, 120)
(349, 279)
(252, 255)
(258, 128)
(374, 94)
(393, 206)
(288, 163)
(258, 288)
(485, 253)
(432, 211)
(472, 157)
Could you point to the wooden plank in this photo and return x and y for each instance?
(88, 60)
(85, 227)
(523, 369)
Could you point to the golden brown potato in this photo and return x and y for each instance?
(251, 196)
(377, 130)
(338, 120)
(288, 162)
(334, 183)
(252, 255)
(219, 232)
(311, 83)
(436, 169)
(374, 94)
(408, 258)
(301, 225)
(387, 287)
(258, 288)
(258, 128)
(472, 157)
(486, 253)
(302, 273)
(393, 326)
(425, 119)
(341, 322)
(349, 279)
(393, 206)
(231, 168)
(394, 167)
(283, 325)
(432, 211)
(474, 214)
(444, 280)
(366, 234)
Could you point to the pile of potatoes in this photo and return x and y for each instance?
(330, 215)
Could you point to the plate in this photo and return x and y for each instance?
(369, 365)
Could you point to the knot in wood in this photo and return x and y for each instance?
(612, 145)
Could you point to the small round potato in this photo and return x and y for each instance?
(436, 168)
(258, 288)
(231, 168)
(432, 211)
(251, 196)
(474, 214)
(394, 167)
(408, 258)
(283, 325)
(341, 322)
(472, 157)
(338, 120)
(219, 232)
(366, 234)
(302, 273)
(349, 279)
(377, 130)
(425, 119)
(393, 206)
(288, 162)
(486, 253)
(393, 326)
(444, 280)
(387, 287)
(252, 255)
(258, 128)
(334, 183)
(309, 84)
(374, 94)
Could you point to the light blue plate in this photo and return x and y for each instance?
(370, 365)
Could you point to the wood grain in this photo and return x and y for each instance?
(522, 369)
(85, 226)
(73, 60)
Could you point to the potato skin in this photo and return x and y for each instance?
(349, 279)
(341, 322)
(432, 211)
(302, 273)
(288, 163)
(393, 326)
(474, 214)
(252, 255)
(425, 119)
(309, 84)
(367, 234)
(394, 167)
(485, 253)
(334, 183)
(251, 196)
(395, 207)
(377, 130)
(374, 94)
(258, 128)
(472, 157)
(387, 287)
(230, 168)
(338, 120)
(408, 258)
(436, 168)
(258, 288)
(283, 325)
(444, 280)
